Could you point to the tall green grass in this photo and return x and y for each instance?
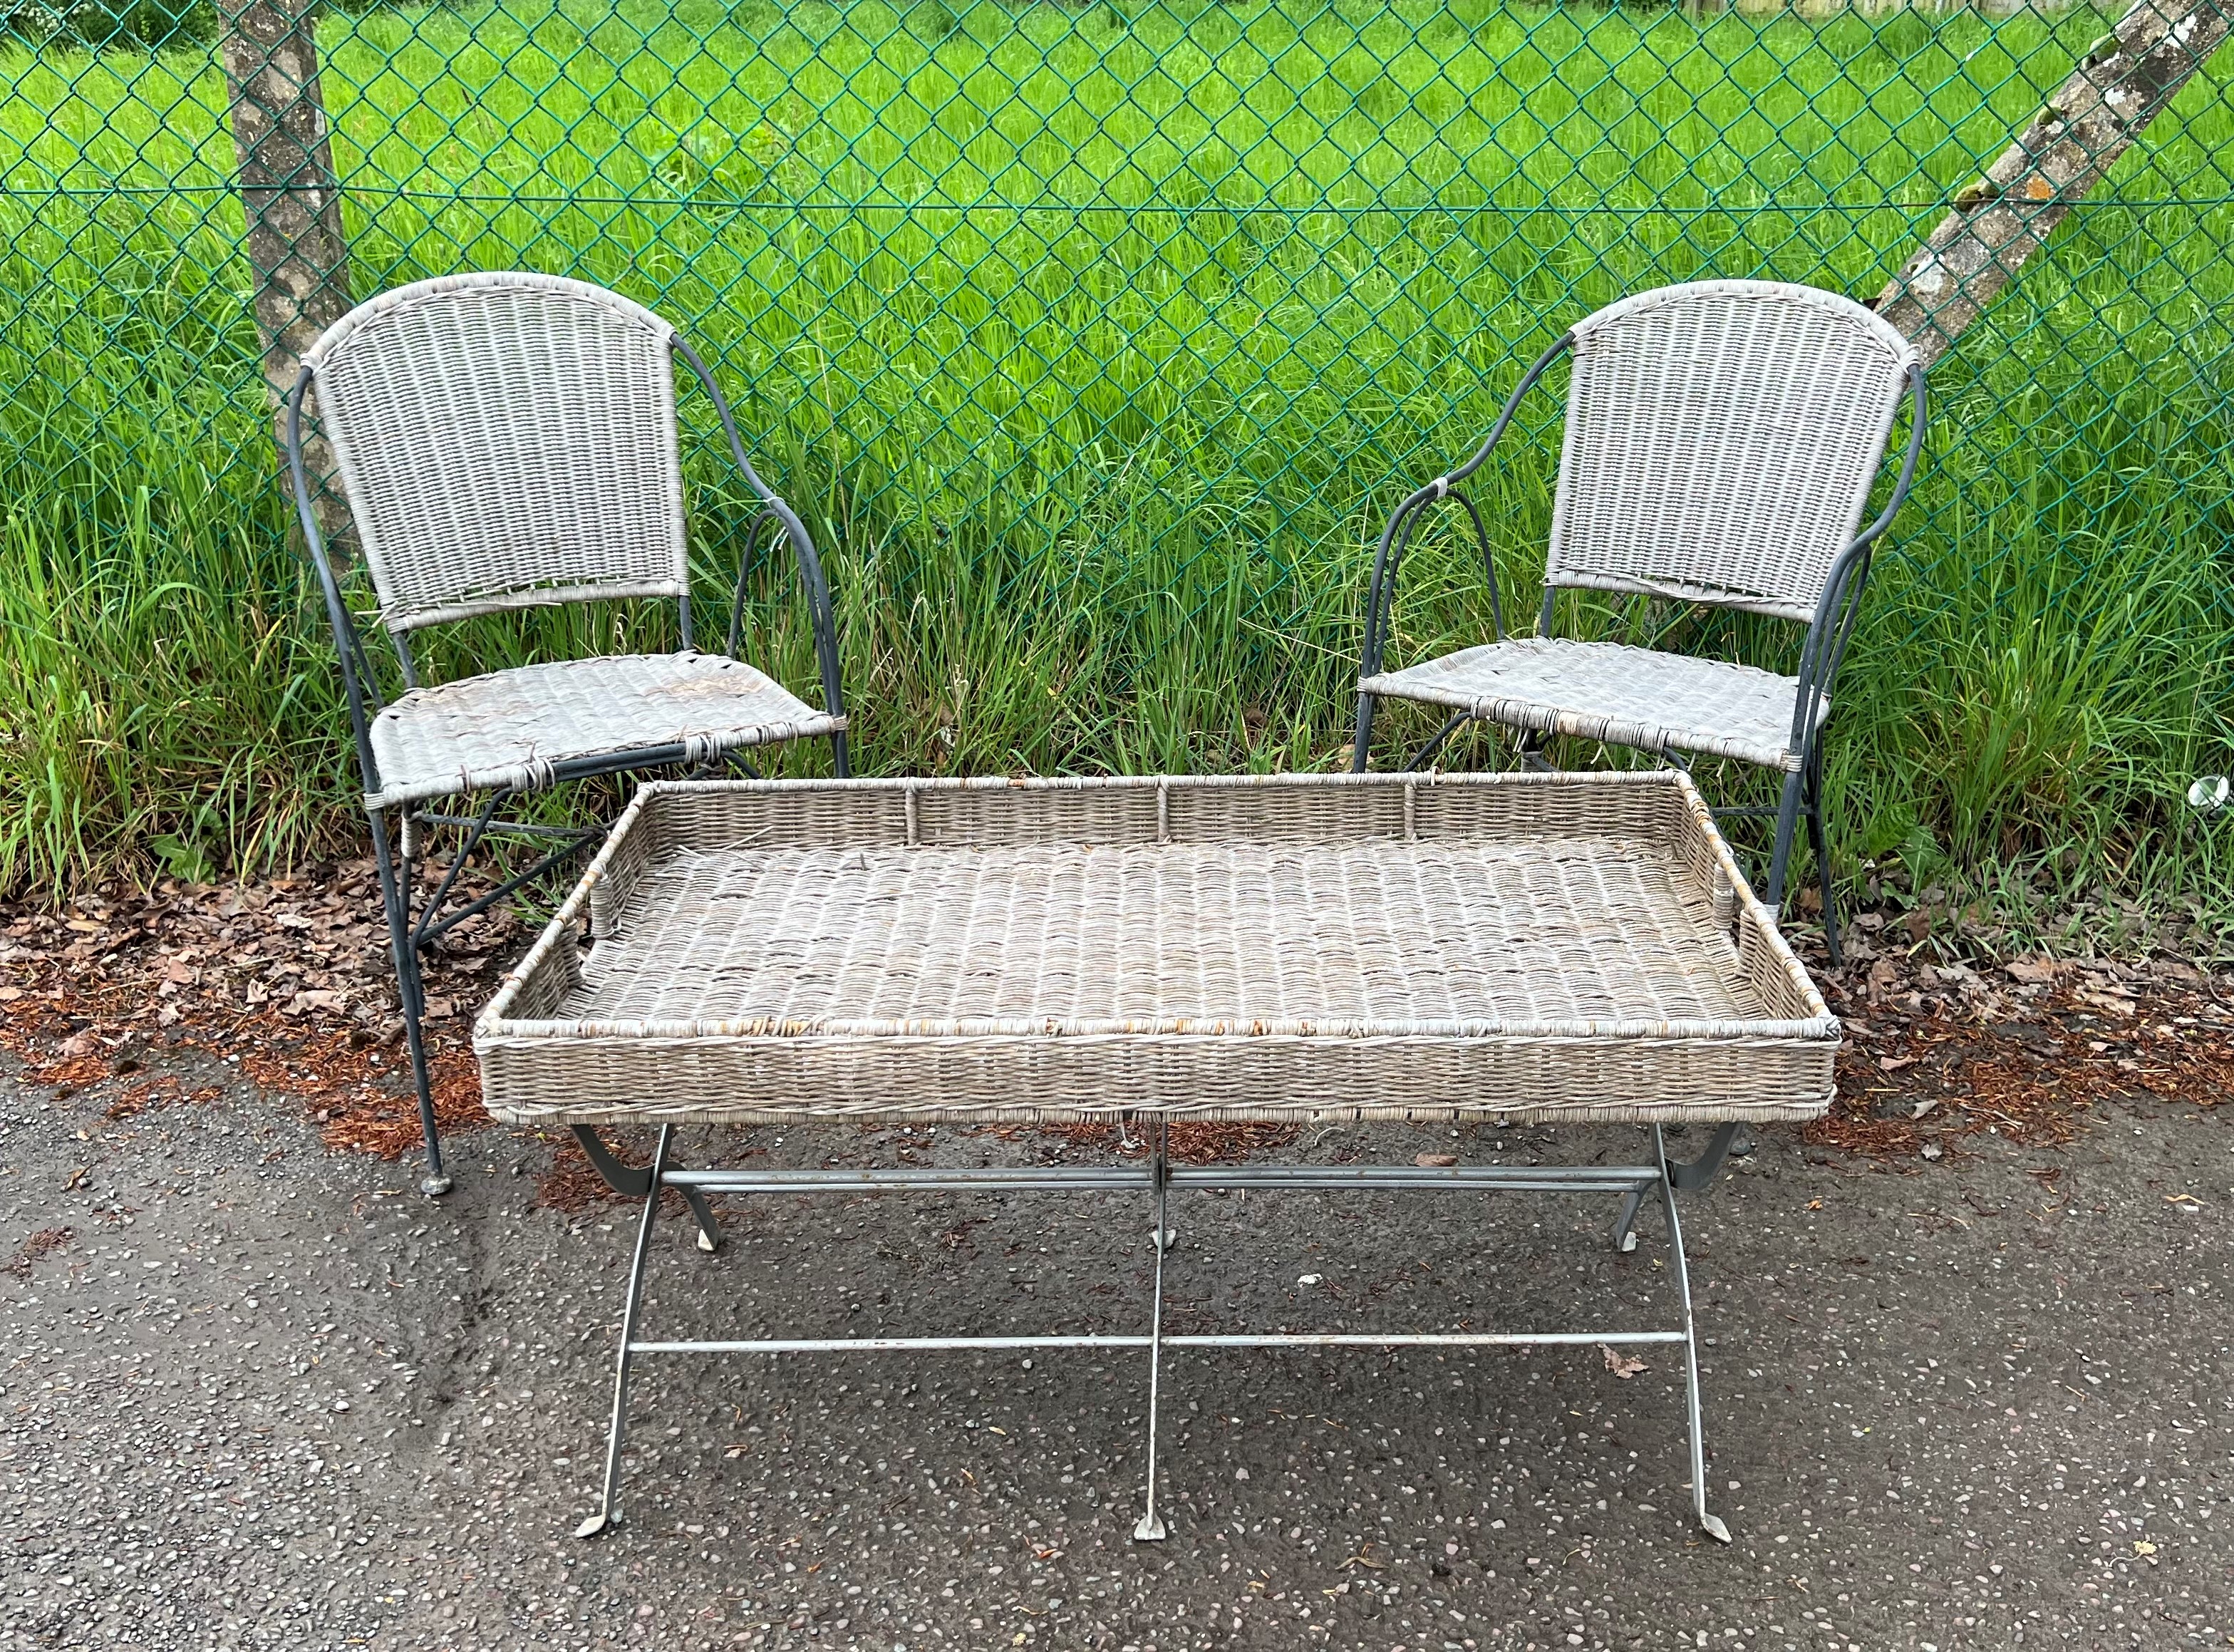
(1094, 342)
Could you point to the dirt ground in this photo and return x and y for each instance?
(1966, 1373)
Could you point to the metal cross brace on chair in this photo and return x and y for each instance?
(1158, 1178)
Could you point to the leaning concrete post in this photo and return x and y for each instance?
(2122, 84)
(297, 255)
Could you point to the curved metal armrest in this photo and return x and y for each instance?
(1840, 605)
(349, 644)
(1396, 536)
(810, 563)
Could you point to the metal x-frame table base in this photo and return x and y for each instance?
(1632, 1183)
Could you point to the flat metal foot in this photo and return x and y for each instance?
(598, 1523)
(1150, 1529)
(1713, 1526)
(436, 1186)
(1624, 1221)
(1163, 1238)
(710, 1231)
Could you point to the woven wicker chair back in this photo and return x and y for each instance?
(505, 440)
(1721, 441)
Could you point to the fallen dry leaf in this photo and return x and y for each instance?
(1624, 1366)
(1436, 1161)
(40, 1243)
(2103, 997)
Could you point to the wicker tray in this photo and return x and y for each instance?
(1415, 947)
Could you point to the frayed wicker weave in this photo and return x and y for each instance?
(1403, 947)
(1627, 697)
(506, 730)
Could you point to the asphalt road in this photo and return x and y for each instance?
(258, 1395)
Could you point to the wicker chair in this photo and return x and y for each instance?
(509, 442)
(1721, 441)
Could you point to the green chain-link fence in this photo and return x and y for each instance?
(1094, 338)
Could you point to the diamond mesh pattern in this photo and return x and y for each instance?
(1150, 311)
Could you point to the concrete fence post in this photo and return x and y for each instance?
(297, 255)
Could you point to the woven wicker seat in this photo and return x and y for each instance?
(505, 442)
(1721, 441)
(1626, 696)
(510, 730)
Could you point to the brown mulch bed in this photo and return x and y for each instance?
(2025, 1047)
(289, 981)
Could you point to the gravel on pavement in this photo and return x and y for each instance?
(256, 1394)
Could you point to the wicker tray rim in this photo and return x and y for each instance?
(495, 1025)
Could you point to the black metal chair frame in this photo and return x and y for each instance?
(1820, 655)
(411, 932)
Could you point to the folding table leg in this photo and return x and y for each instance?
(1151, 1527)
(609, 1509)
(1709, 1524)
(631, 1183)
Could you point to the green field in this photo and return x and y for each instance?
(1094, 342)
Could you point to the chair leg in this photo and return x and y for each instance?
(411, 1000)
(838, 760)
(1364, 736)
(1787, 818)
(1818, 841)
